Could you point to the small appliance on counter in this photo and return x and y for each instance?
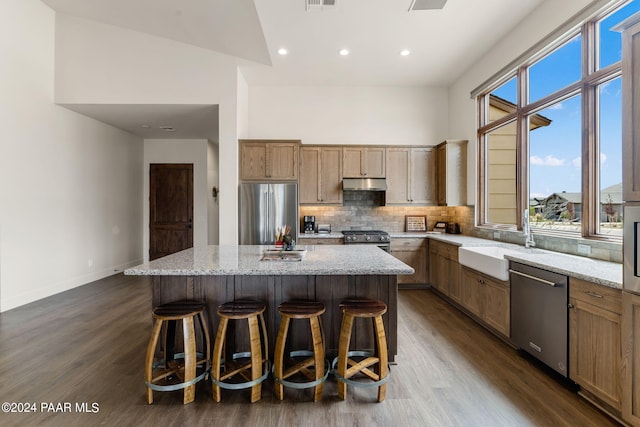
(440, 227)
(324, 228)
(453, 228)
(309, 224)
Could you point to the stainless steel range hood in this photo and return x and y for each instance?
(364, 184)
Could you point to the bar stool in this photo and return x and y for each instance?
(254, 370)
(347, 368)
(185, 370)
(312, 311)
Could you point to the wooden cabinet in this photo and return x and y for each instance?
(488, 299)
(595, 353)
(631, 358)
(451, 166)
(444, 269)
(411, 175)
(320, 241)
(630, 110)
(411, 251)
(363, 162)
(268, 160)
(320, 175)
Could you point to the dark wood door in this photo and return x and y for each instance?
(170, 208)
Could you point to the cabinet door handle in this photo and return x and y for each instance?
(593, 294)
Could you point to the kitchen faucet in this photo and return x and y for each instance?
(526, 229)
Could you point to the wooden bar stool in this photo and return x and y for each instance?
(252, 366)
(181, 365)
(311, 310)
(347, 368)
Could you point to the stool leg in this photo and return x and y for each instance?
(383, 370)
(151, 349)
(189, 335)
(217, 355)
(256, 357)
(278, 356)
(318, 355)
(343, 349)
(207, 342)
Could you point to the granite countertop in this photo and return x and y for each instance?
(245, 260)
(332, 235)
(592, 270)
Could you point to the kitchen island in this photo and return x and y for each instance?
(327, 273)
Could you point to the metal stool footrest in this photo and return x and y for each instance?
(358, 383)
(307, 384)
(179, 386)
(246, 384)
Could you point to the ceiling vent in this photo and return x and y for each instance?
(319, 4)
(426, 4)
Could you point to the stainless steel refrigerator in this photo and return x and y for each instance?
(263, 208)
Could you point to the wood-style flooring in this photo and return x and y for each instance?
(87, 346)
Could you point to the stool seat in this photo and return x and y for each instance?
(178, 310)
(252, 366)
(301, 309)
(185, 371)
(346, 366)
(363, 307)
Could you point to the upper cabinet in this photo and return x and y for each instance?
(630, 110)
(363, 162)
(320, 175)
(451, 165)
(268, 159)
(411, 175)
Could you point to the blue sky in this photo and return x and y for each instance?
(555, 150)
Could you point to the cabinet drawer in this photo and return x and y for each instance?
(592, 293)
(400, 243)
(445, 249)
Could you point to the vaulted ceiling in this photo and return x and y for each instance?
(442, 42)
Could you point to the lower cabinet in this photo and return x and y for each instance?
(595, 352)
(487, 299)
(631, 359)
(411, 251)
(320, 241)
(444, 269)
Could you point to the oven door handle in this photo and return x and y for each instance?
(537, 279)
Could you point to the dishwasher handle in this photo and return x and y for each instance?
(537, 279)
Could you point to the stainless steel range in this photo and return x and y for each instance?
(368, 237)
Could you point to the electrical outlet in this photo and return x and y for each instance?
(496, 234)
(584, 249)
(90, 263)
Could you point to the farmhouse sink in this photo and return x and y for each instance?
(489, 260)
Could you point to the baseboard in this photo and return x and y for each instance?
(413, 286)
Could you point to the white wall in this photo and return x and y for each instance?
(213, 205)
(70, 186)
(180, 151)
(462, 109)
(349, 115)
(102, 64)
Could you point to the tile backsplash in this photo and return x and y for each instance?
(391, 219)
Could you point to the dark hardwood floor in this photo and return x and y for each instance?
(87, 345)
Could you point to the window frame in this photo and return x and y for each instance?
(587, 87)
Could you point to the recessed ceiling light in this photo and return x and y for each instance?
(145, 126)
(405, 52)
(343, 52)
(282, 51)
(168, 128)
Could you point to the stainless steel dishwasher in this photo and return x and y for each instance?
(539, 314)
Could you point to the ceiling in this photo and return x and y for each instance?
(443, 43)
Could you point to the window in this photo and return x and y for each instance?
(535, 124)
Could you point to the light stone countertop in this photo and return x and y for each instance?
(332, 235)
(245, 260)
(602, 272)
